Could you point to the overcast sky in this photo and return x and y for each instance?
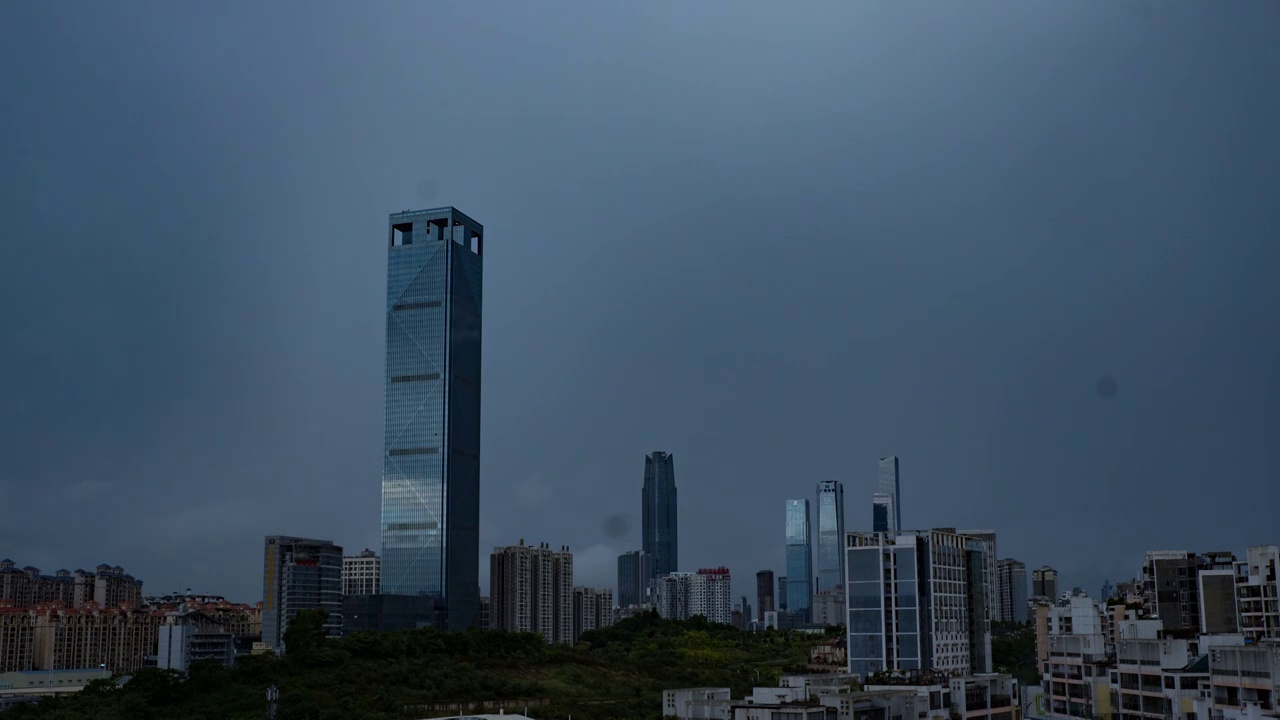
(778, 240)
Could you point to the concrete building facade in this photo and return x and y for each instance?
(362, 574)
(531, 590)
(1011, 584)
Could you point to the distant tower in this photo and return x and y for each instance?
(658, 514)
(891, 485)
(799, 557)
(830, 536)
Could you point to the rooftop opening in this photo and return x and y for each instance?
(401, 234)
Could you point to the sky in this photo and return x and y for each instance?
(1029, 248)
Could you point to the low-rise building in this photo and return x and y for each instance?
(190, 637)
(697, 703)
(1245, 681)
(32, 686)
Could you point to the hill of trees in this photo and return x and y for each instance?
(618, 672)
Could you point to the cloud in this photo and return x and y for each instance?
(596, 566)
(84, 490)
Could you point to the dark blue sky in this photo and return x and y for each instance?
(778, 241)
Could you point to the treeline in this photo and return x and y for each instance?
(617, 672)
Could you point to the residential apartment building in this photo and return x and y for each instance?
(592, 610)
(17, 630)
(1257, 593)
(917, 601)
(708, 592)
(1044, 583)
(189, 637)
(119, 639)
(299, 574)
(1245, 681)
(1011, 584)
(107, 586)
(1078, 654)
(362, 574)
(1171, 588)
(531, 590)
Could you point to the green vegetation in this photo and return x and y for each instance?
(615, 673)
(1013, 651)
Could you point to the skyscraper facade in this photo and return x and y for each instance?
(1044, 582)
(431, 459)
(634, 575)
(890, 485)
(658, 514)
(764, 593)
(799, 557)
(917, 601)
(299, 574)
(830, 536)
(1011, 583)
(881, 512)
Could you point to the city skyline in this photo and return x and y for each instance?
(979, 271)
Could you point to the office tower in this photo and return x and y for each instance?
(431, 461)
(1171, 587)
(361, 573)
(881, 512)
(993, 600)
(830, 536)
(708, 592)
(299, 574)
(634, 575)
(1011, 579)
(592, 610)
(799, 557)
(531, 590)
(658, 514)
(764, 593)
(782, 593)
(1044, 582)
(1256, 593)
(917, 601)
(891, 485)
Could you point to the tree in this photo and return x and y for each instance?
(305, 633)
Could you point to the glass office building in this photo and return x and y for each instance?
(431, 460)
(799, 558)
(634, 576)
(658, 514)
(890, 485)
(830, 536)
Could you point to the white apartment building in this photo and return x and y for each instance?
(917, 601)
(531, 590)
(1256, 593)
(362, 574)
(708, 592)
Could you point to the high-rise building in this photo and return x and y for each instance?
(881, 512)
(634, 575)
(361, 573)
(890, 485)
(799, 557)
(708, 593)
(300, 574)
(782, 593)
(764, 593)
(108, 586)
(1011, 581)
(531, 590)
(995, 611)
(1171, 587)
(659, 532)
(830, 536)
(1257, 593)
(431, 461)
(1044, 582)
(592, 610)
(917, 601)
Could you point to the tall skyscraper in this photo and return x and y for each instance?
(431, 459)
(890, 485)
(634, 575)
(881, 512)
(917, 601)
(1011, 583)
(782, 593)
(799, 557)
(658, 514)
(830, 536)
(994, 609)
(764, 593)
(299, 574)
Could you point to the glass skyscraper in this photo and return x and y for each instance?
(634, 573)
(799, 557)
(431, 459)
(658, 514)
(889, 485)
(830, 536)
